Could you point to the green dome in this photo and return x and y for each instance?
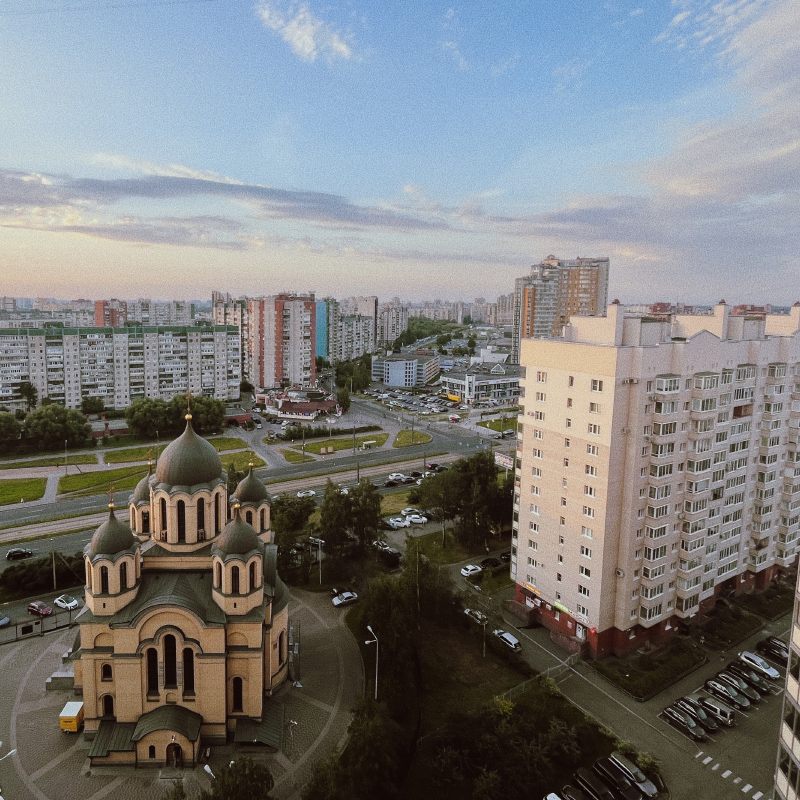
(141, 494)
(111, 537)
(251, 489)
(189, 460)
(237, 537)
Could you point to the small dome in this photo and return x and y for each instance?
(237, 537)
(189, 460)
(141, 494)
(112, 537)
(251, 489)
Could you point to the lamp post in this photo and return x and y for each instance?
(377, 651)
(207, 768)
(65, 455)
(319, 558)
(9, 753)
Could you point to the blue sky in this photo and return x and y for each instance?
(166, 149)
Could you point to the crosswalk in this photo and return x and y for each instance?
(746, 788)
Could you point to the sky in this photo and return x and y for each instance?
(169, 148)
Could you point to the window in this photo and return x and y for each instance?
(570, 381)
(564, 482)
(585, 571)
(594, 429)
(188, 670)
(566, 442)
(670, 384)
(587, 532)
(170, 662)
(558, 577)
(566, 462)
(590, 470)
(582, 590)
(582, 610)
(237, 694)
(592, 449)
(105, 672)
(589, 491)
(538, 415)
(597, 386)
(563, 502)
(535, 491)
(594, 408)
(568, 423)
(536, 453)
(535, 510)
(569, 402)
(588, 511)
(541, 397)
(532, 545)
(535, 527)
(536, 472)
(585, 551)
(562, 521)
(537, 434)
(541, 377)
(152, 671)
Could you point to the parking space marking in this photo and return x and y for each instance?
(699, 753)
(747, 787)
(726, 773)
(737, 780)
(758, 795)
(707, 759)
(715, 767)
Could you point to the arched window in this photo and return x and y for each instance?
(108, 706)
(181, 521)
(88, 575)
(234, 580)
(133, 519)
(105, 672)
(123, 576)
(152, 671)
(216, 513)
(282, 647)
(237, 694)
(201, 519)
(252, 584)
(163, 514)
(103, 580)
(248, 516)
(263, 516)
(151, 751)
(145, 522)
(170, 662)
(188, 669)
(218, 576)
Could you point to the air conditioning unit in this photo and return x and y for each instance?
(620, 573)
(625, 430)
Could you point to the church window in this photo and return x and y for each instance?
(201, 519)
(252, 576)
(263, 526)
(152, 671)
(237, 694)
(163, 514)
(216, 513)
(218, 576)
(248, 515)
(123, 576)
(188, 669)
(145, 522)
(282, 647)
(103, 580)
(181, 521)
(234, 580)
(151, 751)
(89, 575)
(105, 672)
(170, 662)
(108, 706)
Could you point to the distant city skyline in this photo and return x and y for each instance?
(166, 150)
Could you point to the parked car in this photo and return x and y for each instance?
(508, 640)
(4, 621)
(476, 615)
(388, 484)
(759, 665)
(634, 774)
(415, 473)
(718, 710)
(337, 590)
(306, 493)
(489, 563)
(396, 476)
(345, 599)
(399, 522)
(66, 602)
(611, 774)
(697, 713)
(408, 479)
(741, 685)
(40, 608)
(417, 519)
(18, 552)
(741, 669)
(683, 722)
(315, 541)
(433, 465)
(381, 545)
(774, 648)
(409, 510)
(570, 792)
(592, 785)
(727, 693)
(470, 569)
(505, 556)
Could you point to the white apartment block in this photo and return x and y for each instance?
(392, 321)
(405, 371)
(119, 365)
(658, 466)
(787, 773)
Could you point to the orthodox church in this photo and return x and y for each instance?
(183, 639)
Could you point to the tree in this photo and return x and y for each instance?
(51, 426)
(246, 386)
(208, 413)
(29, 393)
(92, 405)
(148, 418)
(365, 510)
(343, 399)
(289, 514)
(335, 514)
(441, 493)
(10, 428)
(477, 480)
(471, 345)
(244, 779)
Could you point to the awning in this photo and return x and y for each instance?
(112, 736)
(169, 718)
(268, 730)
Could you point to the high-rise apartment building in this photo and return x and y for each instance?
(787, 773)
(392, 321)
(225, 310)
(556, 290)
(110, 313)
(658, 466)
(119, 365)
(282, 341)
(155, 312)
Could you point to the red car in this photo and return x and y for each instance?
(40, 608)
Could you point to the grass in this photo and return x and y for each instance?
(403, 438)
(499, 425)
(343, 443)
(16, 489)
(728, 624)
(99, 481)
(431, 546)
(391, 504)
(131, 454)
(52, 461)
(241, 460)
(227, 443)
(771, 604)
(293, 457)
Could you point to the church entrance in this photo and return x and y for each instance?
(174, 755)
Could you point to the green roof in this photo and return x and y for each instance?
(268, 730)
(169, 718)
(112, 736)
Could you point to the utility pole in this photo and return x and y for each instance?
(53, 554)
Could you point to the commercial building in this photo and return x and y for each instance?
(555, 291)
(483, 382)
(658, 467)
(184, 635)
(119, 365)
(405, 371)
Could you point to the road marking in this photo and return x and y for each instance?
(707, 759)
(726, 773)
(715, 767)
(758, 795)
(747, 787)
(737, 780)
(699, 753)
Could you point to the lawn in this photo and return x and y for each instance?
(227, 443)
(500, 425)
(241, 460)
(392, 504)
(132, 454)
(404, 438)
(430, 545)
(51, 461)
(346, 443)
(14, 490)
(771, 604)
(727, 624)
(98, 481)
(293, 457)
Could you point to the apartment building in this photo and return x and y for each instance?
(658, 467)
(556, 290)
(225, 310)
(110, 313)
(392, 321)
(119, 365)
(281, 341)
(787, 772)
(158, 313)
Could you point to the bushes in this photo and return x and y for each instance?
(30, 577)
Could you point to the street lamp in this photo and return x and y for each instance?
(207, 768)
(66, 441)
(377, 651)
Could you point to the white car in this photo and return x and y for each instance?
(760, 666)
(344, 490)
(307, 493)
(476, 615)
(407, 511)
(66, 602)
(471, 569)
(396, 476)
(417, 519)
(399, 522)
(508, 640)
(345, 599)
(381, 545)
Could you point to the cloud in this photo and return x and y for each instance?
(636, 12)
(307, 35)
(452, 49)
(569, 76)
(701, 23)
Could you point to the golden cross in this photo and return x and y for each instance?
(110, 495)
(189, 400)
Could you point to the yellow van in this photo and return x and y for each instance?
(71, 717)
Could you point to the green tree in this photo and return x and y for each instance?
(244, 779)
(246, 386)
(335, 514)
(51, 426)
(148, 418)
(235, 477)
(10, 428)
(175, 792)
(365, 510)
(29, 393)
(289, 514)
(343, 399)
(477, 481)
(441, 493)
(208, 413)
(92, 405)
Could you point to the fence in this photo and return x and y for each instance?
(36, 626)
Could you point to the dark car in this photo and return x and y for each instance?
(611, 774)
(683, 722)
(697, 713)
(570, 792)
(408, 479)
(433, 465)
(774, 648)
(741, 686)
(727, 693)
(390, 483)
(506, 556)
(18, 552)
(39, 608)
(415, 473)
(592, 785)
(440, 468)
(489, 563)
(337, 590)
(753, 678)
